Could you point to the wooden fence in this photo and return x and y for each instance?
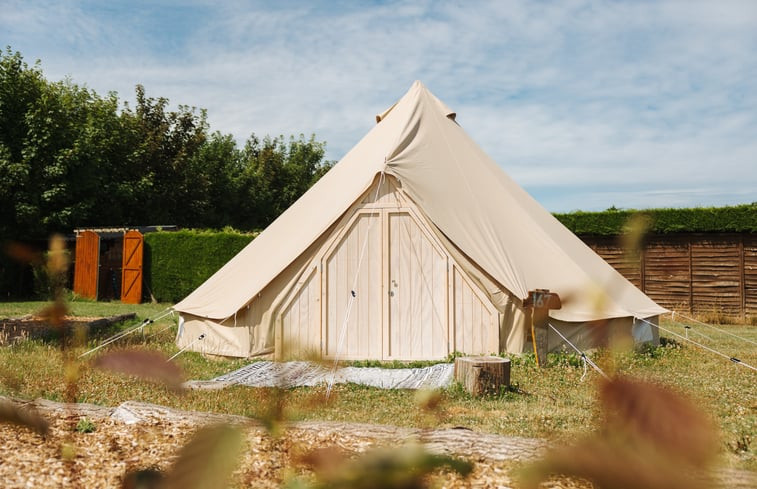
(690, 272)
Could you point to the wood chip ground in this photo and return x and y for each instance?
(100, 459)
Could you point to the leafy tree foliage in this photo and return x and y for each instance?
(276, 172)
(71, 158)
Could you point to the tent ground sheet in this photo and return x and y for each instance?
(293, 374)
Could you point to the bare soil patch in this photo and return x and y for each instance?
(34, 326)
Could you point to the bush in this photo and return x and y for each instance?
(176, 263)
(740, 218)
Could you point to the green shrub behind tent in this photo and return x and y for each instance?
(178, 262)
(729, 219)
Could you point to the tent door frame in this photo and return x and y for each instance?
(383, 212)
(383, 206)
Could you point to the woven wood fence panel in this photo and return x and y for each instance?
(695, 273)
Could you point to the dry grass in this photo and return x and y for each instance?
(551, 403)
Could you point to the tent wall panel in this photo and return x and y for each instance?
(617, 331)
(221, 338)
(476, 321)
(513, 330)
(301, 320)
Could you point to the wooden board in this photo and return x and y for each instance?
(716, 275)
(691, 272)
(749, 272)
(131, 270)
(87, 264)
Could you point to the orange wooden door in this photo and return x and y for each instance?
(87, 264)
(131, 270)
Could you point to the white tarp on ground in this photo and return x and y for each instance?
(295, 374)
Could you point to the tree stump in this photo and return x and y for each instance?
(482, 375)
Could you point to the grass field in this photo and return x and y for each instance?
(552, 403)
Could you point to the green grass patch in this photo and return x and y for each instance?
(552, 403)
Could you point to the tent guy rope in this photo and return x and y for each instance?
(585, 358)
(126, 332)
(673, 317)
(199, 338)
(711, 350)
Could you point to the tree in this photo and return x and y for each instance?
(276, 174)
(70, 158)
(215, 171)
(157, 181)
(20, 88)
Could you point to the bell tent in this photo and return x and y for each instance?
(414, 246)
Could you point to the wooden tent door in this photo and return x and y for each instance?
(87, 264)
(131, 269)
(417, 324)
(359, 335)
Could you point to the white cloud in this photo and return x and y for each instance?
(587, 103)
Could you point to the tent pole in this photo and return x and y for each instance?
(541, 301)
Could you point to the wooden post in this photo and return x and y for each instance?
(482, 375)
(541, 301)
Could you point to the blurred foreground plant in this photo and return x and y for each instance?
(406, 467)
(650, 438)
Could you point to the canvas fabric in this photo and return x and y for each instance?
(505, 241)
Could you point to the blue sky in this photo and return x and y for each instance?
(586, 104)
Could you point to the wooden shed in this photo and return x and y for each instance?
(108, 262)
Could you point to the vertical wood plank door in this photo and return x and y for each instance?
(353, 318)
(417, 293)
(131, 270)
(87, 264)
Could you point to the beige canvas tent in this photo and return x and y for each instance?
(413, 246)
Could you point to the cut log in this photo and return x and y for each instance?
(104, 322)
(482, 375)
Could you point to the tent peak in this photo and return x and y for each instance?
(417, 94)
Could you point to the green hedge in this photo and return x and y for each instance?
(176, 263)
(740, 218)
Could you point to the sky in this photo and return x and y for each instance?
(587, 104)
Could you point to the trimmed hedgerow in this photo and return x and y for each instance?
(740, 218)
(176, 263)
